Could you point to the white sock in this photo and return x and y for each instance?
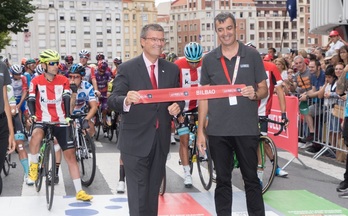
(34, 158)
(186, 170)
(77, 184)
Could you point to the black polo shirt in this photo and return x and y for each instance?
(240, 119)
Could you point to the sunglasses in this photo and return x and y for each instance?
(53, 63)
(74, 77)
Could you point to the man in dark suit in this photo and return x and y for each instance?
(144, 136)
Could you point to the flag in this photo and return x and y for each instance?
(291, 8)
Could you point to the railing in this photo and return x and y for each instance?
(327, 127)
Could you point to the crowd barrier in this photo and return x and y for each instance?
(327, 127)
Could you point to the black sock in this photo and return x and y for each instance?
(57, 168)
(122, 173)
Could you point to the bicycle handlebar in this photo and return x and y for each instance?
(78, 115)
(282, 124)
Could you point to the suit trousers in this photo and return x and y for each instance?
(222, 148)
(144, 176)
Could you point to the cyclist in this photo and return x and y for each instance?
(84, 57)
(172, 57)
(190, 72)
(274, 83)
(82, 96)
(20, 90)
(69, 61)
(102, 77)
(38, 71)
(117, 62)
(49, 100)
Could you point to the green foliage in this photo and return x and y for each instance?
(5, 39)
(14, 15)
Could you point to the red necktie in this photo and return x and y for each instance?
(153, 77)
(154, 84)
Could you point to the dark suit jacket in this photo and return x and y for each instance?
(138, 126)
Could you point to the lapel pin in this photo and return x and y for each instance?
(162, 71)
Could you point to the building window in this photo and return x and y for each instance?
(117, 17)
(252, 26)
(86, 30)
(108, 17)
(83, 3)
(99, 44)
(72, 18)
(72, 4)
(108, 30)
(125, 17)
(98, 18)
(118, 29)
(252, 37)
(62, 29)
(203, 26)
(99, 30)
(60, 4)
(86, 19)
(87, 45)
(118, 42)
(61, 17)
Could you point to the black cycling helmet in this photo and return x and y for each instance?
(118, 60)
(77, 69)
(100, 56)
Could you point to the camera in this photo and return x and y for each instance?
(293, 51)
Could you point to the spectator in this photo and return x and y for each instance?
(334, 43)
(343, 51)
(272, 52)
(282, 67)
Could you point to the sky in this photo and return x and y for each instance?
(159, 1)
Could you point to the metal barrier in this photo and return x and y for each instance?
(327, 127)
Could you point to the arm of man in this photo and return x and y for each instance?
(341, 84)
(72, 102)
(93, 109)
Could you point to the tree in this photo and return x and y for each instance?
(14, 15)
(5, 39)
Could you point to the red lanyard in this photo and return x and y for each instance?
(236, 66)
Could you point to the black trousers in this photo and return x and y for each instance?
(144, 177)
(222, 149)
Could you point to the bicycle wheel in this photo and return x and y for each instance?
(50, 172)
(205, 168)
(117, 129)
(192, 158)
(87, 160)
(110, 132)
(7, 165)
(268, 150)
(98, 123)
(163, 184)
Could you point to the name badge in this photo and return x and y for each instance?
(233, 100)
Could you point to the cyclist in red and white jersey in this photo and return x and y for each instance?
(49, 101)
(190, 72)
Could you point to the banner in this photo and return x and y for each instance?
(291, 7)
(192, 93)
(287, 140)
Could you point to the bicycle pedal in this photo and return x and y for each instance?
(13, 165)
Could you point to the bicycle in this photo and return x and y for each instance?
(267, 149)
(204, 162)
(112, 125)
(8, 164)
(85, 151)
(47, 161)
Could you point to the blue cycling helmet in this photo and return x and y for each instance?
(77, 69)
(193, 52)
(16, 70)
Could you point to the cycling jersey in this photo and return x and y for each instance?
(48, 96)
(10, 95)
(102, 82)
(274, 79)
(90, 74)
(189, 78)
(29, 77)
(19, 86)
(84, 94)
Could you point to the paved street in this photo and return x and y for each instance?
(306, 191)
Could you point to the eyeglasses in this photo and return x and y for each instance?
(74, 77)
(83, 56)
(53, 63)
(155, 40)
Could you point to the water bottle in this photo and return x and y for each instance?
(42, 151)
(108, 120)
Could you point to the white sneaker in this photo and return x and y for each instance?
(172, 140)
(260, 176)
(281, 173)
(105, 134)
(188, 181)
(121, 187)
(28, 181)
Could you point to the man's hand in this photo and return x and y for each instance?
(248, 92)
(132, 97)
(97, 93)
(174, 109)
(285, 120)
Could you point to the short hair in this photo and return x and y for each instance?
(153, 27)
(273, 49)
(316, 62)
(330, 71)
(222, 17)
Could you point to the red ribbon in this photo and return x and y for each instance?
(192, 93)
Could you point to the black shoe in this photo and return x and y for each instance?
(312, 150)
(309, 138)
(56, 180)
(342, 187)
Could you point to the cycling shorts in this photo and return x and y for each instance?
(263, 127)
(23, 106)
(183, 128)
(63, 135)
